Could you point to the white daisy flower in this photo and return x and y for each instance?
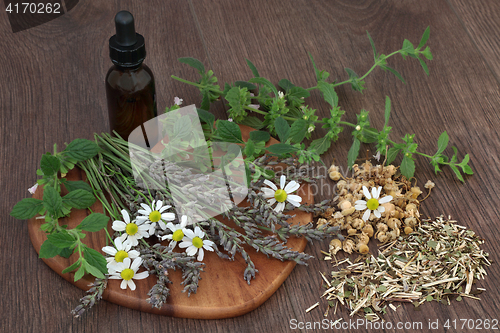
(134, 230)
(178, 231)
(193, 241)
(127, 270)
(155, 214)
(118, 253)
(373, 203)
(282, 194)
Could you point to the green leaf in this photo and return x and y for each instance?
(457, 172)
(52, 201)
(352, 155)
(253, 122)
(392, 153)
(329, 93)
(205, 101)
(94, 222)
(425, 37)
(206, 117)
(408, 166)
(252, 68)
(182, 129)
(432, 244)
(229, 131)
(48, 250)
(93, 271)
(429, 298)
(79, 199)
(249, 148)
(81, 149)
(77, 185)
(407, 48)
(265, 82)
(79, 273)
(387, 113)
(245, 84)
(72, 267)
(321, 145)
(318, 74)
(49, 164)
(356, 84)
(286, 84)
(298, 92)
(427, 53)
(61, 239)
(282, 129)
(27, 208)
(281, 148)
(298, 130)
(373, 46)
(393, 71)
(195, 63)
(95, 259)
(66, 253)
(442, 142)
(424, 66)
(259, 136)
(369, 135)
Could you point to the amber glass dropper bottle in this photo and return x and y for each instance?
(130, 85)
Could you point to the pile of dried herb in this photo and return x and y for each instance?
(439, 261)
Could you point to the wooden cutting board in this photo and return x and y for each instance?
(222, 291)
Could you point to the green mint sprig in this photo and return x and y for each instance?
(60, 240)
(289, 118)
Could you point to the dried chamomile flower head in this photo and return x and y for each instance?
(429, 185)
(375, 202)
(335, 246)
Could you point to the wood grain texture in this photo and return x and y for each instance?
(52, 91)
(222, 292)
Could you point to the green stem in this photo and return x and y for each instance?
(211, 88)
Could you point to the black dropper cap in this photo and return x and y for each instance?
(126, 48)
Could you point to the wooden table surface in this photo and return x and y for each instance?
(52, 91)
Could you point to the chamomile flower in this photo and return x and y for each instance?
(119, 253)
(193, 241)
(155, 214)
(373, 203)
(282, 194)
(133, 231)
(178, 231)
(127, 270)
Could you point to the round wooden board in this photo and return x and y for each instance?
(222, 291)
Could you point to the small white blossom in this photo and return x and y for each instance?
(281, 95)
(155, 214)
(33, 188)
(194, 243)
(119, 253)
(178, 101)
(127, 270)
(133, 231)
(178, 232)
(374, 204)
(282, 194)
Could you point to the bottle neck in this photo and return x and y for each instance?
(128, 68)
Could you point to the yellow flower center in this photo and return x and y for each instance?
(372, 204)
(127, 274)
(131, 229)
(178, 235)
(155, 216)
(120, 255)
(198, 242)
(280, 195)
